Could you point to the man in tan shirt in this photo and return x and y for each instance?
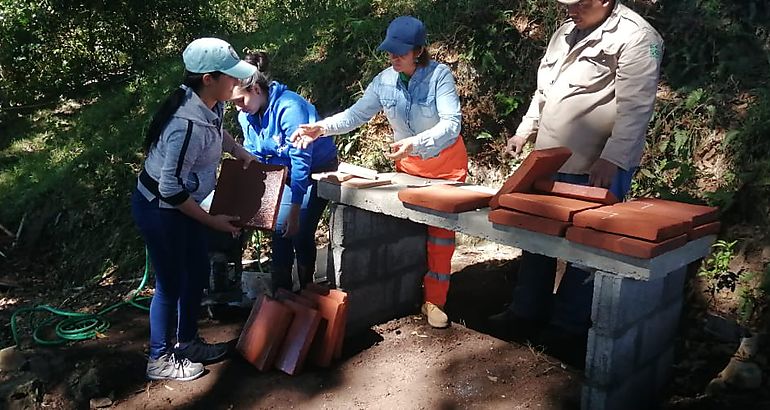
(595, 94)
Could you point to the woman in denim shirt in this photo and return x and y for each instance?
(419, 98)
(270, 113)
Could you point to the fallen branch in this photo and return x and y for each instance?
(18, 231)
(7, 232)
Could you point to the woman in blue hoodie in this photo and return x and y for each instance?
(270, 113)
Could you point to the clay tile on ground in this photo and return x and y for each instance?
(341, 297)
(622, 244)
(575, 191)
(533, 223)
(539, 164)
(299, 338)
(445, 198)
(325, 343)
(252, 194)
(547, 206)
(264, 332)
(698, 214)
(631, 222)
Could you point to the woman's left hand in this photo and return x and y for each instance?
(401, 148)
(292, 222)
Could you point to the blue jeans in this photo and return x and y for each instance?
(302, 244)
(179, 253)
(570, 309)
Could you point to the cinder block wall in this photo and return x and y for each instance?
(379, 261)
(630, 346)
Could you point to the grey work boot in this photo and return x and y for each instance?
(171, 367)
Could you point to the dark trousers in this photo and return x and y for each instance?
(570, 308)
(179, 253)
(302, 245)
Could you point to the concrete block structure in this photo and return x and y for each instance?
(377, 255)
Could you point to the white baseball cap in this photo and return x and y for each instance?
(568, 1)
(209, 54)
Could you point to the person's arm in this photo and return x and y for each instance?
(432, 141)
(636, 84)
(291, 116)
(230, 145)
(182, 150)
(358, 114)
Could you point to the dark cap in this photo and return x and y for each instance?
(404, 34)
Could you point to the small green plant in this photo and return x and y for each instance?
(753, 296)
(716, 269)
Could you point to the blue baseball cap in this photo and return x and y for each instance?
(209, 54)
(404, 34)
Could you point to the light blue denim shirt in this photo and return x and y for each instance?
(428, 108)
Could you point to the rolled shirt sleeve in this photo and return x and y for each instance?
(358, 114)
(635, 88)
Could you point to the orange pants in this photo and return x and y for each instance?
(452, 164)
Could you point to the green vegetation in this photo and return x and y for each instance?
(79, 82)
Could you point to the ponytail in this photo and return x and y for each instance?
(172, 103)
(262, 76)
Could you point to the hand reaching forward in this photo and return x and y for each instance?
(305, 134)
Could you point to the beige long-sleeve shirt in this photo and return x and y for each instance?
(595, 95)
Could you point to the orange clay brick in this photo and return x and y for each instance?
(622, 244)
(539, 164)
(533, 223)
(547, 206)
(445, 198)
(575, 191)
(634, 223)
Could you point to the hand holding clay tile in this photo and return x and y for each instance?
(252, 194)
(540, 164)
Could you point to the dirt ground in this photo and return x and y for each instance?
(401, 364)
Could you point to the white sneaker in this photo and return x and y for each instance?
(171, 367)
(436, 317)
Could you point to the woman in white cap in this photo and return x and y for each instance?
(419, 98)
(184, 145)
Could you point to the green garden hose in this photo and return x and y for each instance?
(76, 326)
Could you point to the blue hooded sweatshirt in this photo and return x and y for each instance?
(267, 137)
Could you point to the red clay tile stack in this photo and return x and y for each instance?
(286, 331)
(264, 332)
(445, 198)
(643, 228)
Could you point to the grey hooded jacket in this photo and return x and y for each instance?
(184, 161)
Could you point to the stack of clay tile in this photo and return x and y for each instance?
(530, 200)
(285, 331)
(252, 194)
(445, 198)
(643, 228)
